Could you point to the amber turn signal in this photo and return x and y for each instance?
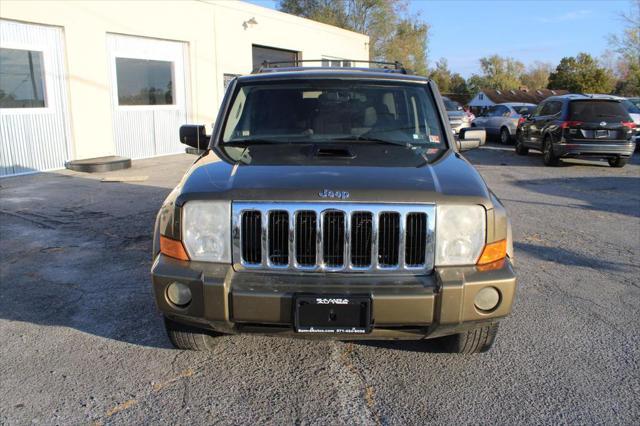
(173, 248)
(493, 251)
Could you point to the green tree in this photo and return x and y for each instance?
(394, 35)
(458, 85)
(537, 75)
(626, 47)
(501, 73)
(581, 74)
(441, 75)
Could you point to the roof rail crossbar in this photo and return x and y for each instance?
(397, 66)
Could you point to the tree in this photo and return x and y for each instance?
(626, 47)
(441, 75)
(501, 73)
(581, 74)
(394, 35)
(537, 75)
(458, 85)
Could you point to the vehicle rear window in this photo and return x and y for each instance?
(592, 111)
(317, 111)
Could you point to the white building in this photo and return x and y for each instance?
(90, 79)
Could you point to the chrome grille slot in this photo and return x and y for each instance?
(278, 238)
(305, 236)
(333, 237)
(388, 239)
(361, 227)
(416, 239)
(251, 233)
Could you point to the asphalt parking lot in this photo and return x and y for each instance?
(82, 342)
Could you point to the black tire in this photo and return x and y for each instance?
(505, 136)
(520, 148)
(472, 341)
(549, 158)
(617, 162)
(186, 337)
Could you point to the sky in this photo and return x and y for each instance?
(462, 31)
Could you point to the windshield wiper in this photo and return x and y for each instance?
(372, 139)
(255, 141)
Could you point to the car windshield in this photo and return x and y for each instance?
(597, 110)
(631, 107)
(451, 105)
(319, 111)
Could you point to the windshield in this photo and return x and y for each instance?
(451, 105)
(317, 111)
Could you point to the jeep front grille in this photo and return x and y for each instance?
(333, 237)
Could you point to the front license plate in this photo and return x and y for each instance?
(332, 314)
(602, 133)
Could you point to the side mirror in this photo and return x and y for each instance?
(471, 138)
(526, 116)
(195, 136)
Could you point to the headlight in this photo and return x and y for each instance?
(206, 230)
(460, 234)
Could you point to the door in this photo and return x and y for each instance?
(496, 118)
(483, 119)
(34, 119)
(547, 113)
(149, 95)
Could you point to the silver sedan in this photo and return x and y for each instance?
(502, 120)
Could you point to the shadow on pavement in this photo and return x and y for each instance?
(76, 252)
(493, 154)
(617, 194)
(568, 257)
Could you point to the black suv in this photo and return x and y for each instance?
(578, 125)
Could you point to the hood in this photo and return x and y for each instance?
(449, 179)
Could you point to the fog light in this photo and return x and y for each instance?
(179, 294)
(487, 299)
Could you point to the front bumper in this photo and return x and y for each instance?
(595, 149)
(403, 307)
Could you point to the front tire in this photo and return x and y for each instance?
(520, 148)
(187, 337)
(472, 341)
(505, 136)
(550, 159)
(617, 162)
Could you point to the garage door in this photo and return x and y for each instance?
(149, 95)
(33, 100)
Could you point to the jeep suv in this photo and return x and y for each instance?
(333, 203)
(578, 126)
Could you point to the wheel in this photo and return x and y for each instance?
(550, 159)
(505, 136)
(520, 148)
(617, 162)
(472, 341)
(184, 336)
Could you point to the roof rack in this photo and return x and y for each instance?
(270, 66)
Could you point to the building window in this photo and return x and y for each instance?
(262, 54)
(328, 61)
(481, 97)
(144, 82)
(21, 79)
